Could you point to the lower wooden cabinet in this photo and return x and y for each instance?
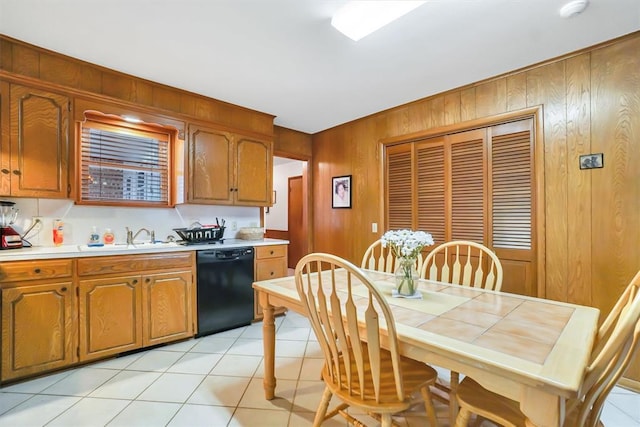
(56, 313)
(119, 312)
(38, 329)
(110, 314)
(167, 307)
(39, 320)
(270, 263)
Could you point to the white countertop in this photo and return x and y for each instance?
(79, 251)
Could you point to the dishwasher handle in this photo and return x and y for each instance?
(225, 255)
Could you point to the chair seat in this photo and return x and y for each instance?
(415, 375)
(472, 396)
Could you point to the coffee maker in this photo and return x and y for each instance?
(9, 238)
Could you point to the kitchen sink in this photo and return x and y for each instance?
(124, 247)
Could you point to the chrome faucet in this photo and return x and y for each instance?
(132, 237)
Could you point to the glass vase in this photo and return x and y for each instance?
(406, 276)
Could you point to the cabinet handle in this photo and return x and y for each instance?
(16, 172)
(147, 280)
(5, 171)
(271, 253)
(64, 289)
(37, 271)
(134, 281)
(272, 273)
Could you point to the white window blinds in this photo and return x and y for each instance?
(123, 165)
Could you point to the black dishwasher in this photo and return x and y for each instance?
(225, 295)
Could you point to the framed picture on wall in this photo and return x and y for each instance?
(341, 192)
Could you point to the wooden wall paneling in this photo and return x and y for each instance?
(165, 98)
(579, 189)
(6, 55)
(468, 104)
(451, 108)
(22, 59)
(615, 131)
(57, 70)
(366, 189)
(516, 91)
(143, 93)
(25, 61)
(292, 143)
(546, 86)
(419, 115)
(118, 86)
(397, 121)
(491, 98)
(436, 112)
(91, 79)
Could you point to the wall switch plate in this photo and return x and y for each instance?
(374, 227)
(234, 226)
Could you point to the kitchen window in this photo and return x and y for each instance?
(124, 163)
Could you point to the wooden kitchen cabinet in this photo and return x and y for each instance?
(110, 316)
(226, 168)
(39, 326)
(167, 312)
(270, 263)
(34, 150)
(133, 301)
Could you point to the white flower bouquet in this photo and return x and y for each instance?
(406, 245)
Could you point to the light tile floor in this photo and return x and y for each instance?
(210, 381)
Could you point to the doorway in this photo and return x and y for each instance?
(287, 218)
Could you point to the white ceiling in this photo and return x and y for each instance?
(283, 57)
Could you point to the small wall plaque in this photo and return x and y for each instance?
(591, 161)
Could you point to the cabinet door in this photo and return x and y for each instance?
(38, 329)
(5, 140)
(167, 311)
(110, 316)
(210, 165)
(254, 178)
(39, 143)
(270, 263)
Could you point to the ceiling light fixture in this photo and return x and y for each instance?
(573, 8)
(357, 19)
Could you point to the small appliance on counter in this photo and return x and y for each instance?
(9, 238)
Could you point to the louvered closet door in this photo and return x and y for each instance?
(467, 189)
(430, 185)
(512, 204)
(399, 187)
(475, 185)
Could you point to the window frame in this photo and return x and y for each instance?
(110, 122)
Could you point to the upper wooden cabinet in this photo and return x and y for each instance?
(227, 168)
(34, 149)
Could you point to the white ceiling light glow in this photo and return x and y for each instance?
(357, 19)
(573, 8)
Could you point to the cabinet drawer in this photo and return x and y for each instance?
(271, 268)
(275, 251)
(134, 263)
(35, 270)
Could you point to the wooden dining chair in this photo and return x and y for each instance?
(379, 258)
(616, 342)
(465, 263)
(357, 334)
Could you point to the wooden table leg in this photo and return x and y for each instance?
(269, 342)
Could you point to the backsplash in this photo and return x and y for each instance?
(79, 220)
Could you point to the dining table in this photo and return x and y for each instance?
(531, 350)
